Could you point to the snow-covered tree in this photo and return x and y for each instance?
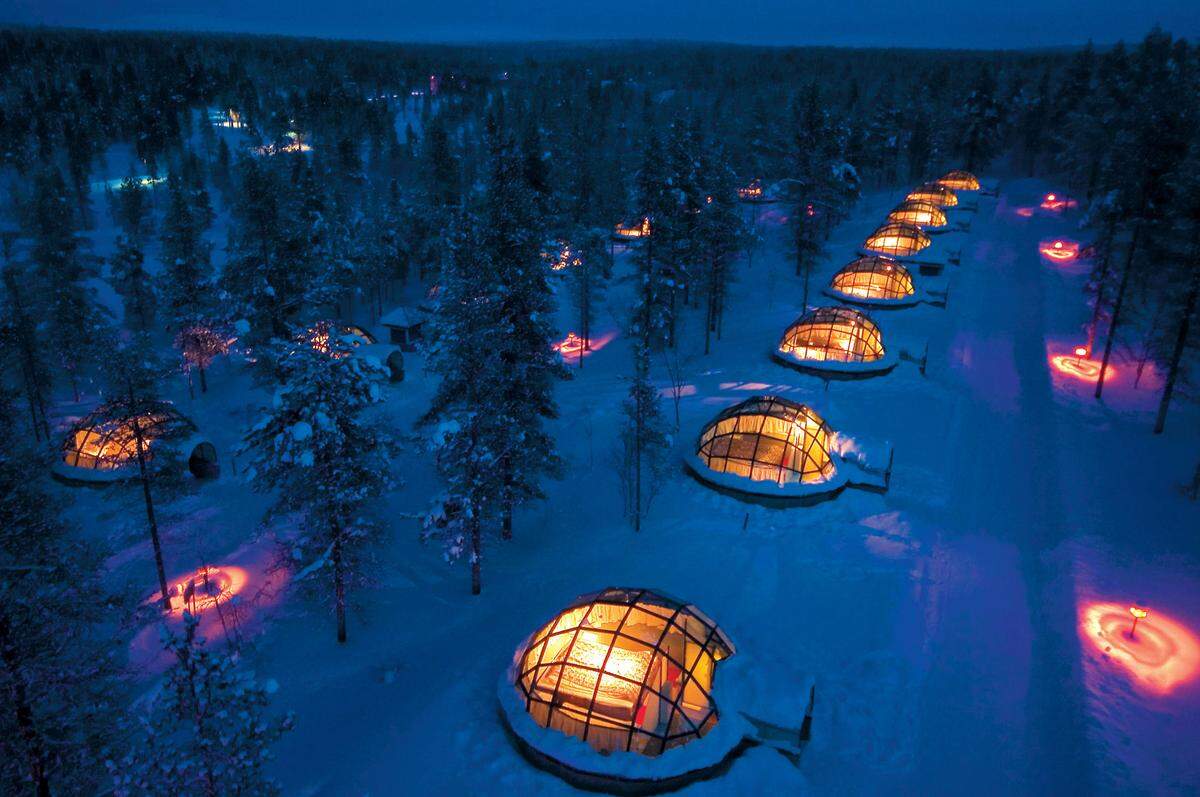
(186, 258)
(207, 730)
(74, 321)
(56, 675)
(644, 441)
(525, 307)
(133, 373)
(324, 458)
(471, 436)
(22, 348)
(131, 208)
(129, 276)
(199, 344)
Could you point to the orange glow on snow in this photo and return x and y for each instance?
(1078, 366)
(1160, 654)
(1056, 202)
(203, 589)
(571, 347)
(1060, 250)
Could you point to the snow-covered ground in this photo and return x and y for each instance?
(940, 621)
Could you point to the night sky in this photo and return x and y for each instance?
(916, 23)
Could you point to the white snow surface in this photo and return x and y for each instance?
(939, 621)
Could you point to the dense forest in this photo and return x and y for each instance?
(372, 172)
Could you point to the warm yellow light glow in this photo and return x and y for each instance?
(752, 191)
(934, 194)
(833, 334)
(1160, 656)
(640, 230)
(898, 239)
(768, 438)
(923, 214)
(206, 587)
(111, 444)
(1079, 368)
(873, 278)
(959, 180)
(623, 670)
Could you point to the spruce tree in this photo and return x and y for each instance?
(207, 730)
(187, 270)
(56, 673)
(322, 456)
(471, 436)
(530, 367)
(133, 282)
(74, 321)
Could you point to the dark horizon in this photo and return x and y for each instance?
(923, 24)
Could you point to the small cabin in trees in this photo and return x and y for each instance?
(405, 327)
(633, 231)
(226, 118)
(751, 192)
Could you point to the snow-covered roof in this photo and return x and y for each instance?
(403, 317)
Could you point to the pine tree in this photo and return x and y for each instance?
(587, 279)
(133, 282)
(187, 269)
(471, 437)
(720, 232)
(322, 456)
(207, 730)
(131, 207)
(23, 345)
(530, 367)
(644, 441)
(74, 322)
(56, 676)
(134, 373)
(981, 129)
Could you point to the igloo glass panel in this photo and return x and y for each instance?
(623, 675)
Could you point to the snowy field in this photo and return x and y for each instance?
(941, 622)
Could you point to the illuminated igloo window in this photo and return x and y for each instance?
(934, 194)
(898, 239)
(959, 180)
(922, 214)
(354, 336)
(873, 278)
(768, 438)
(105, 439)
(624, 670)
(834, 334)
